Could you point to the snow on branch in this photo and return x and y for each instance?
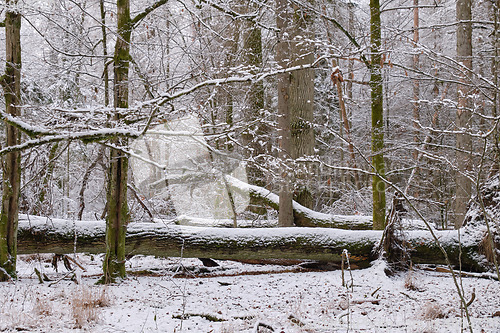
(41, 135)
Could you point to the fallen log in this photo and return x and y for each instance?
(303, 216)
(39, 235)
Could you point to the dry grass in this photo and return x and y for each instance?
(432, 310)
(410, 282)
(86, 304)
(42, 307)
(35, 258)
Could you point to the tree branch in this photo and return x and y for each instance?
(139, 17)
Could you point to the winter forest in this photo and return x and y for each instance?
(250, 166)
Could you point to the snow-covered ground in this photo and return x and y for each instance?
(238, 297)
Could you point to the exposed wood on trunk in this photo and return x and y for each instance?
(337, 80)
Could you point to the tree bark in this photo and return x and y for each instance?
(301, 102)
(416, 81)
(377, 106)
(254, 139)
(58, 236)
(117, 216)
(463, 115)
(105, 74)
(285, 216)
(11, 164)
(495, 71)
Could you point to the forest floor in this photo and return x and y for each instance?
(181, 295)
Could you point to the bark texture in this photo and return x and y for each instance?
(284, 132)
(416, 81)
(295, 105)
(11, 164)
(377, 105)
(117, 216)
(256, 136)
(463, 140)
(301, 103)
(241, 244)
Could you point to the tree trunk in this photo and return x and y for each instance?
(117, 208)
(11, 164)
(285, 141)
(495, 71)
(37, 236)
(105, 74)
(416, 81)
(377, 100)
(45, 207)
(301, 102)
(255, 138)
(464, 141)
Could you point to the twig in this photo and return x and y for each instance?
(296, 320)
(75, 262)
(37, 272)
(472, 297)
(62, 278)
(206, 316)
(464, 274)
(361, 301)
(261, 324)
(412, 298)
(373, 293)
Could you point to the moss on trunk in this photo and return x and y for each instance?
(11, 164)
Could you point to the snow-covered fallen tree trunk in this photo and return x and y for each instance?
(303, 216)
(325, 244)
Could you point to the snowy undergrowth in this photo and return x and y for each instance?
(234, 300)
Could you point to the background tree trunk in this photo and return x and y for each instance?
(416, 81)
(464, 141)
(11, 164)
(105, 73)
(495, 69)
(377, 106)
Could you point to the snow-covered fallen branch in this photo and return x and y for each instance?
(303, 216)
